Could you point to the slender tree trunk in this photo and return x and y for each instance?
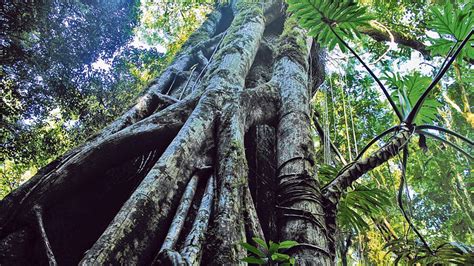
(345, 244)
(206, 159)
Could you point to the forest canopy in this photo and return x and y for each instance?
(69, 68)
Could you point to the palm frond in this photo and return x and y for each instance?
(360, 203)
(446, 253)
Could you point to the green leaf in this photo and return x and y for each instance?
(253, 249)
(318, 16)
(292, 261)
(453, 24)
(253, 260)
(273, 247)
(446, 253)
(326, 172)
(280, 257)
(408, 90)
(287, 244)
(261, 243)
(359, 203)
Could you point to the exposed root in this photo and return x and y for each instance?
(252, 223)
(147, 104)
(231, 182)
(11, 204)
(47, 246)
(192, 249)
(154, 132)
(180, 216)
(146, 215)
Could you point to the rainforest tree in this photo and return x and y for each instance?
(219, 149)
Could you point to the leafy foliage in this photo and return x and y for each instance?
(319, 16)
(413, 252)
(360, 202)
(155, 28)
(72, 70)
(48, 68)
(269, 252)
(326, 172)
(453, 23)
(436, 204)
(47, 53)
(408, 89)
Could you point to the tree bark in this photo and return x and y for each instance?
(302, 217)
(216, 151)
(380, 35)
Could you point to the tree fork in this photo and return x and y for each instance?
(130, 221)
(206, 127)
(147, 104)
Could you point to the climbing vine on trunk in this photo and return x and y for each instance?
(216, 152)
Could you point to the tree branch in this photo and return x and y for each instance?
(399, 38)
(332, 191)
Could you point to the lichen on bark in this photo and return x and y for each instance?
(244, 118)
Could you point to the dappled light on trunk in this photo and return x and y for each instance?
(218, 150)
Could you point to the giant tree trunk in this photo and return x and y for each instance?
(206, 159)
